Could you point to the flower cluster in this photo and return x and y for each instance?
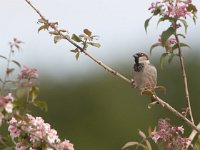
(28, 73)
(168, 44)
(6, 103)
(171, 8)
(33, 133)
(169, 135)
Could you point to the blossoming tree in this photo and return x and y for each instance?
(28, 132)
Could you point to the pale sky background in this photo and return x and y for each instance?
(120, 25)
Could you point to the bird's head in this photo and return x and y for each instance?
(141, 58)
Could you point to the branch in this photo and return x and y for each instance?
(192, 136)
(180, 55)
(110, 70)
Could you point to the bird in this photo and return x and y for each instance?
(144, 73)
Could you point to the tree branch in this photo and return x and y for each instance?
(110, 70)
(184, 78)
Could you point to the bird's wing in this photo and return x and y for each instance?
(152, 72)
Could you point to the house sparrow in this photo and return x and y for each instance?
(144, 73)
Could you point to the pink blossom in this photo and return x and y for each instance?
(5, 99)
(168, 44)
(66, 145)
(169, 135)
(13, 129)
(37, 130)
(20, 146)
(9, 107)
(9, 97)
(28, 73)
(171, 8)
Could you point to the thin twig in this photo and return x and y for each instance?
(184, 78)
(6, 72)
(110, 70)
(192, 136)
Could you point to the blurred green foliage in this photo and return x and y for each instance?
(102, 112)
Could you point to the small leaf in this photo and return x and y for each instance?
(9, 70)
(133, 144)
(87, 32)
(156, 12)
(34, 91)
(146, 23)
(192, 8)
(154, 46)
(181, 45)
(76, 38)
(166, 34)
(161, 88)
(95, 44)
(53, 33)
(164, 19)
(142, 134)
(183, 36)
(197, 143)
(170, 58)
(57, 38)
(162, 59)
(41, 104)
(149, 131)
(3, 57)
(77, 55)
(74, 50)
(43, 27)
(150, 105)
(17, 63)
(184, 23)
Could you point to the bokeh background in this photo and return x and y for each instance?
(88, 106)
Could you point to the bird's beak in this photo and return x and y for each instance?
(135, 56)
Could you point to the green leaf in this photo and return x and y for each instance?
(76, 38)
(95, 44)
(197, 143)
(17, 63)
(183, 36)
(154, 46)
(166, 34)
(3, 57)
(162, 58)
(150, 105)
(74, 50)
(41, 104)
(43, 27)
(164, 19)
(57, 38)
(34, 91)
(129, 144)
(181, 45)
(171, 56)
(77, 55)
(184, 23)
(87, 32)
(192, 8)
(146, 23)
(156, 12)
